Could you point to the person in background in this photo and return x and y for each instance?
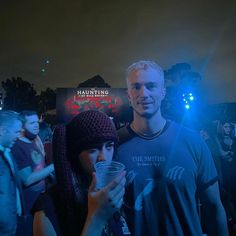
(227, 141)
(45, 134)
(228, 161)
(167, 166)
(209, 134)
(74, 206)
(29, 155)
(11, 202)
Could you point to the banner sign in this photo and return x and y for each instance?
(112, 101)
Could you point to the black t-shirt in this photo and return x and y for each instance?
(29, 155)
(56, 211)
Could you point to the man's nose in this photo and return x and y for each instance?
(143, 91)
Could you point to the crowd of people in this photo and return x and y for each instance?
(220, 138)
(174, 182)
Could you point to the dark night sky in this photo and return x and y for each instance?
(85, 38)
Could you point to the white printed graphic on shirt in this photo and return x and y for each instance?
(173, 174)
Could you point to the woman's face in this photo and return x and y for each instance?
(99, 152)
(227, 128)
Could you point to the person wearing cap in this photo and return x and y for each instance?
(74, 206)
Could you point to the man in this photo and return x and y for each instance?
(167, 165)
(30, 158)
(10, 198)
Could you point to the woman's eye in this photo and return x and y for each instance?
(109, 146)
(92, 151)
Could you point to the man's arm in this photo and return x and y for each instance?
(213, 211)
(29, 177)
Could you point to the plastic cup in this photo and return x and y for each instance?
(106, 171)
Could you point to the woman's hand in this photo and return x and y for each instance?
(104, 202)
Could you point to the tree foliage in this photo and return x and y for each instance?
(95, 82)
(47, 100)
(19, 95)
(181, 74)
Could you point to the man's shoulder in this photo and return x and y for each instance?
(24, 140)
(21, 142)
(21, 149)
(184, 130)
(125, 134)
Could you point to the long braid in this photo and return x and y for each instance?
(65, 185)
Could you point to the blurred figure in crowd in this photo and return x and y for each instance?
(45, 134)
(11, 202)
(29, 155)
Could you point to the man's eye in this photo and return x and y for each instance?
(151, 86)
(136, 86)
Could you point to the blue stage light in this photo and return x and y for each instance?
(187, 106)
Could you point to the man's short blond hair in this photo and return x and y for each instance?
(144, 65)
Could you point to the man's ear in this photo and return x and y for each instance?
(128, 96)
(163, 93)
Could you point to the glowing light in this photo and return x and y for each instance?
(191, 98)
(43, 70)
(187, 106)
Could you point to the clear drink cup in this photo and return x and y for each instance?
(106, 171)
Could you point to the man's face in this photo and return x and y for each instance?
(11, 133)
(146, 91)
(32, 124)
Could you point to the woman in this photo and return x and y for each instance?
(228, 160)
(228, 164)
(74, 207)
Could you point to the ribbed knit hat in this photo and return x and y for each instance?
(88, 128)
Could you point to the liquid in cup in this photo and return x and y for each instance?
(106, 171)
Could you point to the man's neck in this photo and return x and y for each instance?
(149, 125)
